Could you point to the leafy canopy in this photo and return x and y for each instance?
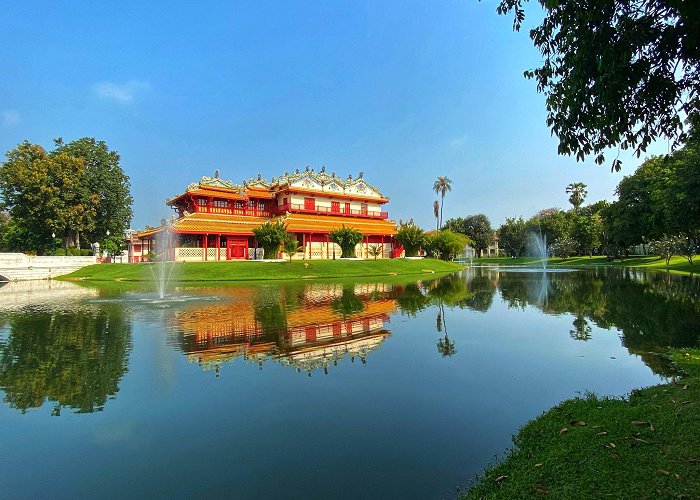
(616, 73)
(347, 238)
(411, 238)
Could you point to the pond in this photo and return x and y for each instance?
(321, 389)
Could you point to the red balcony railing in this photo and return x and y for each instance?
(298, 207)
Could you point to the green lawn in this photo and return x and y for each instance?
(677, 264)
(250, 271)
(643, 446)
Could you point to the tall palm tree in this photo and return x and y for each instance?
(442, 186)
(578, 193)
(436, 212)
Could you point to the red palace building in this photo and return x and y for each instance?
(215, 218)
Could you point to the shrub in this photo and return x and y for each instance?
(376, 251)
(270, 236)
(411, 238)
(347, 238)
(291, 246)
(446, 244)
(60, 252)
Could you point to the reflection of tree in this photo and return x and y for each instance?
(653, 310)
(581, 329)
(75, 359)
(446, 347)
(348, 303)
(411, 300)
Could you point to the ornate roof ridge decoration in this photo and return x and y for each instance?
(323, 178)
(257, 182)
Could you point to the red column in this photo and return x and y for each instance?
(205, 237)
(218, 246)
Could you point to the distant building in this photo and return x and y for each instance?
(214, 219)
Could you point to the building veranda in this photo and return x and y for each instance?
(214, 218)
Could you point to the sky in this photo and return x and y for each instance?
(403, 91)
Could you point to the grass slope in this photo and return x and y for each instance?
(251, 271)
(678, 264)
(647, 445)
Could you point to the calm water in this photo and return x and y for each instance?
(314, 390)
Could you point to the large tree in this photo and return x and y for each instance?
(78, 189)
(104, 178)
(512, 235)
(442, 186)
(476, 227)
(616, 73)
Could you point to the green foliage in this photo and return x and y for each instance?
(587, 232)
(665, 247)
(552, 223)
(563, 247)
(687, 248)
(60, 252)
(376, 251)
(476, 227)
(270, 236)
(616, 73)
(512, 236)
(347, 238)
(446, 244)
(105, 179)
(69, 191)
(291, 246)
(74, 360)
(577, 192)
(442, 186)
(411, 237)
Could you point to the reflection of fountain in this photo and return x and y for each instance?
(541, 290)
(537, 247)
(163, 266)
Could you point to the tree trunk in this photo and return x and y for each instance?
(71, 238)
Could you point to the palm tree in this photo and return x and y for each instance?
(436, 213)
(375, 251)
(442, 186)
(578, 193)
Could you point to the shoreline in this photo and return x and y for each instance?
(228, 271)
(641, 445)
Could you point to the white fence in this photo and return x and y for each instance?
(19, 267)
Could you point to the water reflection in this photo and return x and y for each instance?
(71, 357)
(307, 326)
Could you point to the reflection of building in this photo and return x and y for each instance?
(314, 333)
(215, 218)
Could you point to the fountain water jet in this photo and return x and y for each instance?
(537, 247)
(164, 267)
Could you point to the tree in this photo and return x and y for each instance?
(291, 246)
(665, 247)
(47, 193)
(376, 251)
(587, 233)
(270, 236)
(436, 213)
(347, 238)
(616, 73)
(104, 178)
(476, 227)
(551, 223)
(442, 186)
(78, 189)
(410, 237)
(578, 193)
(512, 235)
(446, 244)
(563, 247)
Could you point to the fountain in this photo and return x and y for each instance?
(537, 247)
(163, 267)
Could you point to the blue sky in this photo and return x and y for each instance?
(404, 91)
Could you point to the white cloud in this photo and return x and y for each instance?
(10, 118)
(123, 93)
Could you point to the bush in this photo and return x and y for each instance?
(84, 252)
(347, 238)
(446, 244)
(61, 252)
(411, 238)
(270, 236)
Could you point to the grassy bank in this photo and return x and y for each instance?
(253, 271)
(646, 445)
(677, 265)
